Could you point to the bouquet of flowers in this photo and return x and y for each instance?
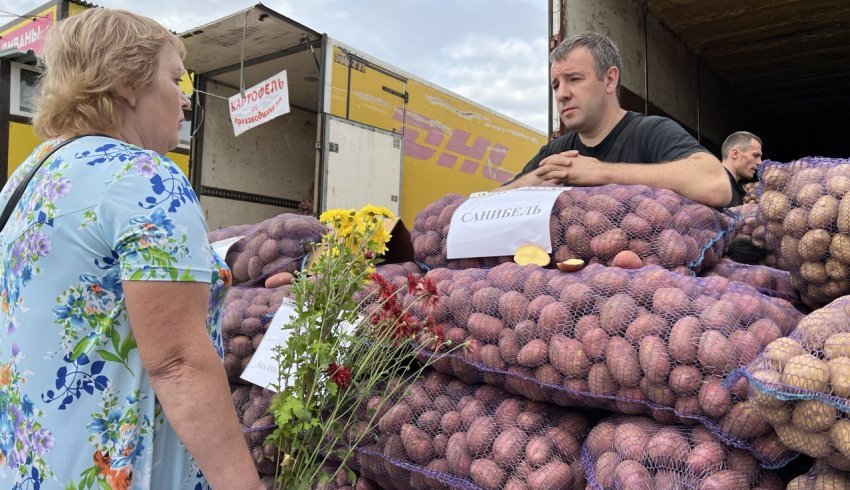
(336, 357)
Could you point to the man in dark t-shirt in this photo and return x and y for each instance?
(608, 145)
(741, 154)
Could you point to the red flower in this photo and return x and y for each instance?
(340, 375)
(384, 285)
(412, 284)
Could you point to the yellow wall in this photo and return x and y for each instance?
(74, 9)
(22, 140)
(450, 145)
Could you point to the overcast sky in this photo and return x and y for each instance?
(491, 51)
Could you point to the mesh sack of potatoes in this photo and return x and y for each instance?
(751, 195)
(343, 479)
(444, 433)
(748, 243)
(746, 222)
(637, 453)
(821, 477)
(595, 223)
(645, 341)
(278, 244)
(801, 384)
(770, 281)
(252, 408)
(246, 314)
(805, 207)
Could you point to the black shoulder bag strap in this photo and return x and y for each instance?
(16, 196)
(621, 138)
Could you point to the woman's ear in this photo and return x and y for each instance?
(126, 92)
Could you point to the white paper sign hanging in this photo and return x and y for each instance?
(495, 224)
(222, 246)
(263, 370)
(262, 102)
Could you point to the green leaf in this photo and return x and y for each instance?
(115, 337)
(127, 345)
(101, 482)
(109, 356)
(137, 275)
(332, 388)
(83, 346)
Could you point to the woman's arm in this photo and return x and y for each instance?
(168, 320)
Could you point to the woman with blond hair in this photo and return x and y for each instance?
(110, 369)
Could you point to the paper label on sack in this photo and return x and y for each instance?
(222, 246)
(495, 224)
(262, 102)
(262, 370)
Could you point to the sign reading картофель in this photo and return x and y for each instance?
(261, 103)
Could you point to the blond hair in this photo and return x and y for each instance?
(84, 58)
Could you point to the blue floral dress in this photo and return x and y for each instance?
(76, 408)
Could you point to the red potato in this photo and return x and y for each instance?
(533, 354)
(631, 474)
(538, 451)
(666, 448)
(552, 320)
(480, 435)
(630, 441)
(509, 446)
(622, 361)
(716, 353)
(714, 399)
(555, 474)
(513, 307)
(417, 444)
(705, 458)
(568, 357)
(395, 417)
(654, 359)
(606, 464)
(487, 474)
(609, 243)
(484, 327)
(457, 455)
(616, 313)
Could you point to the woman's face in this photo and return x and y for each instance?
(158, 116)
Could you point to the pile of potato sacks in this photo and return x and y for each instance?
(611, 378)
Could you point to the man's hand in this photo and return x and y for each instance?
(569, 168)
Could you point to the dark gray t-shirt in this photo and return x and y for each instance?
(654, 139)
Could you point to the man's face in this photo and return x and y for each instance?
(747, 160)
(579, 94)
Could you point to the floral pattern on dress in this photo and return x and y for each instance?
(23, 440)
(117, 434)
(70, 374)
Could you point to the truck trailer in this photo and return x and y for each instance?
(359, 130)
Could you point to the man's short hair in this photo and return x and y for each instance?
(740, 140)
(602, 48)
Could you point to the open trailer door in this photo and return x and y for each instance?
(362, 165)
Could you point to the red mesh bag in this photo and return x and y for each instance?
(806, 211)
(801, 383)
(594, 223)
(770, 281)
(444, 433)
(246, 314)
(645, 341)
(629, 452)
(278, 244)
(252, 408)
